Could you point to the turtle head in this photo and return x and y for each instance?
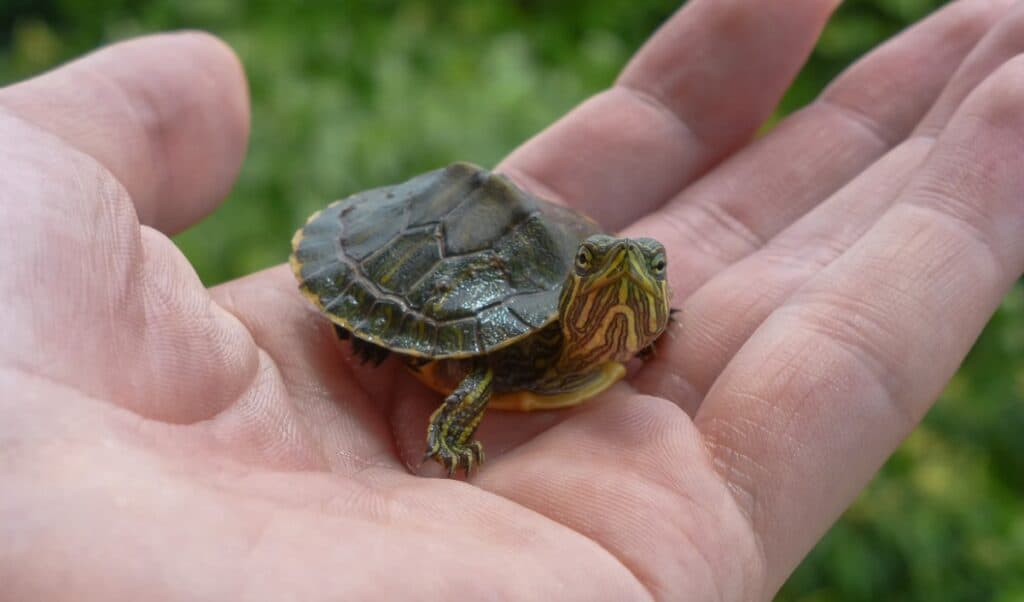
(615, 301)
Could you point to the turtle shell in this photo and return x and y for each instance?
(452, 263)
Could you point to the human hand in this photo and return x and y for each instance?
(159, 440)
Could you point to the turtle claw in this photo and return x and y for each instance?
(454, 456)
(474, 454)
(478, 451)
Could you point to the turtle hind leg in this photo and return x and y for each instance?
(364, 350)
(450, 434)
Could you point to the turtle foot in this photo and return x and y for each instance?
(453, 455)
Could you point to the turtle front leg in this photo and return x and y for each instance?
(450, 434)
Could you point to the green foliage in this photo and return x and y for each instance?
(352, 94)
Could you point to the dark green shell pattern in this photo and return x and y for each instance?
(456, 262)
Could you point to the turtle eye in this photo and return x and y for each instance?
(658, 264)
(584, 259)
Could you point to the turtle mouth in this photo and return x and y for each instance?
(645, 284)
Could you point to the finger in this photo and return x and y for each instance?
(719, 317)
(168, 115)
(826, 388)
(697, 90)
(732, 211)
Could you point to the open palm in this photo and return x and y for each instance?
(160, 440)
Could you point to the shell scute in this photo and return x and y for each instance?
(498, 324)
(398, 266)
(420, 336)
(353, 305)
(458, 336)
(484, 216)
(438, 192)
(460, 287)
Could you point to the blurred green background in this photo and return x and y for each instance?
(350, 94)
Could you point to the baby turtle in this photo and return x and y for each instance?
(491, 295)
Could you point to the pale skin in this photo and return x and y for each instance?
(159, 440)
